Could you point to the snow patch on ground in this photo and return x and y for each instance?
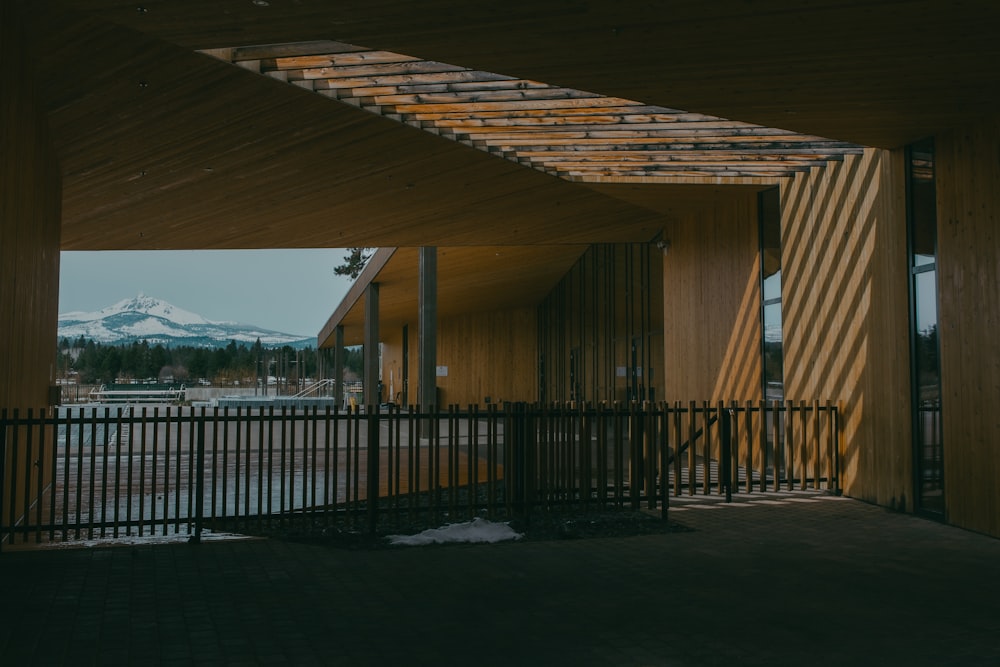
(477, 531)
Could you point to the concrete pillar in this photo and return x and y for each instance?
(371, 345)
(427, 344)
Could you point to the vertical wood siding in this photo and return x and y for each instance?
(968, 195)
(845, 313)
(610, 300)
(490, 354)
(711, 302)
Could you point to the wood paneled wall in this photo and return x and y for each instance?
(968, 195)
(30, 196)
(846, 321)
(488, 355)
(711, 302)
(609, 302)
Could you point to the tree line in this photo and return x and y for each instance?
(90, 362)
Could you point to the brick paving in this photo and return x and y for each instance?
(774, 579)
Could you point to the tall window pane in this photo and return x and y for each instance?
(926, 373)
(770, 252)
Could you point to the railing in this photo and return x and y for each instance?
(316, 387)
(92, 473)
(136, 394)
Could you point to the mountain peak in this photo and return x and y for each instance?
(156, 321)
(148, 305)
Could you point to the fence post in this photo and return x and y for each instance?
(373, 445)
(519, 434)
(199, 489)
(836, 446)
(725, 453)
(3, 470)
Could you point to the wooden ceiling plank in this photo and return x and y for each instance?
(700, 157)
(395, 79)
(475, 123)
(347, 59)
(706, 134)
(389, 69)
(474, 88)
(685, 172)
(601, 106)
(532, 105)
(832, 154)
(291, 50)
(483, 121)
(474, 97)
(652, 142)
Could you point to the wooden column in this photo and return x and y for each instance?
(30, 198)
(30, 201)
(338, 365)
(967, 171)
(427, 345)
(371, 345)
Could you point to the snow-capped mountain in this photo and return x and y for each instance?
(156, 321)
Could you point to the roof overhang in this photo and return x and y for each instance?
(163, 147)
(469, 280)
(880, 73)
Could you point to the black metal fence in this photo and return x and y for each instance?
(101, 473)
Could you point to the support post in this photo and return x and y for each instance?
(427, 352)
(199, 487)
(372, 486)
(338, 365)
(726, 450)
(371, 346)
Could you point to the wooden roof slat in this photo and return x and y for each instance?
(536, 105)
(562, 166)
(468, 87)
(706, 157)
(389, 69)
(271, 52)
(705, 133)
(654, 142)
(598, 109)
(395, 79)
(475, 122)
(625, 156)
(342, 59)
(482, 95)
(685, 172)
(562, 131)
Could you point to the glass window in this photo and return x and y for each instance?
(928, 443)
(769, 206)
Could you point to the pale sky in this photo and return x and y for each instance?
(291, 291)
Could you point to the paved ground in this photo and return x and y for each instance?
(775, 579)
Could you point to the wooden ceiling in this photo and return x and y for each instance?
(164, 147)
(878, 72)
(469, 280)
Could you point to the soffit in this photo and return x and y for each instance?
(469, 280)
(881, 73)
(164, 148)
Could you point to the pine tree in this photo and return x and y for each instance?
(354, 262)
